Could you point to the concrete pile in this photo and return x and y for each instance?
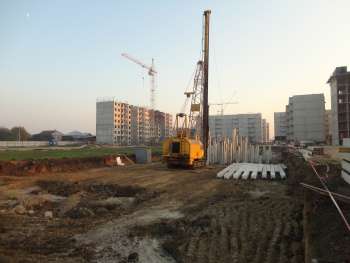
(253, 171)
(237, 149)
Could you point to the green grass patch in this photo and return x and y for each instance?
(22, 154)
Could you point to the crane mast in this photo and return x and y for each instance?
(196, 110)
(222, 105)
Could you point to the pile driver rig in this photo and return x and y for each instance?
(188, 148)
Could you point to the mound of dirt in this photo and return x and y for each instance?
(30, 167)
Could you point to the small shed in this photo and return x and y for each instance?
(143, 155)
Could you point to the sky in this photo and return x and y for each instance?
(58, 57)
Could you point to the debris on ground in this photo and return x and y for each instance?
(20, 209)
(48, 214)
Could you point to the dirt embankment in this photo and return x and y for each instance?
(31, 167)
(325, 236)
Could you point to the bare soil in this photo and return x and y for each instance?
(148, 213)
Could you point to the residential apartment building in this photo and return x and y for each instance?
(280, 126)
(163, 123)
(328, 126)
(265, 131)
(120, 123)
(306, 118)
(249, 125)
(339, 83)
(140, 125)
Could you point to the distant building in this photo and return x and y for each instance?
(328, 126)
(339, 83)
(163, 123)
(280, 126)
(48, 135)
(120, 123)
(306, 118)
(140, 127)
(265, 131)
(249, 125)
(80, 137)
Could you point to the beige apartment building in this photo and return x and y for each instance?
(120, 123)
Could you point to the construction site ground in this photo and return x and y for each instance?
(149, 213)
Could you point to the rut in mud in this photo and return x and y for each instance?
(232, 228)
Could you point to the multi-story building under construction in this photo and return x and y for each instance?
(249, 125)
(339, 82)
(305, 115)
(120, 123)
(265, 131)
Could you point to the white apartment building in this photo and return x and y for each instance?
(306, 118)
(120, 123)
(113, 122)
(249, 125)
(280, 125)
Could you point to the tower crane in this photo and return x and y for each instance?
(222, 105)
(151, 72)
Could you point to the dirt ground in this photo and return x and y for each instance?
(148, 213)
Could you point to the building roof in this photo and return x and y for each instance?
(238, 115)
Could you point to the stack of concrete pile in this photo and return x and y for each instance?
(253, 171)
(237, 149)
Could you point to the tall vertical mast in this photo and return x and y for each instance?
(205, 82)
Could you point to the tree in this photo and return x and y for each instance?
(6, 134)
(43, 136)
(20, 133)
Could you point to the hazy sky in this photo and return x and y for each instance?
(57, 57)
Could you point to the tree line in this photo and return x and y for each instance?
(14, 134)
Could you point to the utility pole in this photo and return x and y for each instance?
(205, 123)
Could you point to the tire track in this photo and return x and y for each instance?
(245, 230)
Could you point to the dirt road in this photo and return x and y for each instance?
(147, 213)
